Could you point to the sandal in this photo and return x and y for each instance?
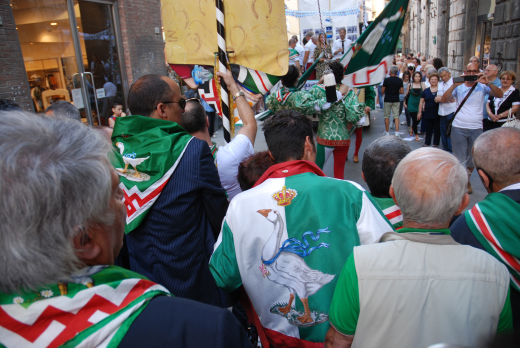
(417, 138)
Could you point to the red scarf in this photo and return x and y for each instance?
(285, 169)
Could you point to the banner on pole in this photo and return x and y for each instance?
(370, 58)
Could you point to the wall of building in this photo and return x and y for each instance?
(143, 47)
(506, 36)
(13, 79)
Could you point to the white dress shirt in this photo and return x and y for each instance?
(310, 46)
(337, 45)
(301, 51)
(446, 108)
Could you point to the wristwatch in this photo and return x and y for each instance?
(239, 94)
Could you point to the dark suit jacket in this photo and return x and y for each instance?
(462, 234)
(174, 243)
(180, 323)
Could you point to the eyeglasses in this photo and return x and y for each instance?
(181, 102)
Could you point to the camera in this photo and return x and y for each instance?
(465, 78)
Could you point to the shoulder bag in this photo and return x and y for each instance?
(450, 122)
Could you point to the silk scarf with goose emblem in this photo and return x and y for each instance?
(286, 241)
(494, 222)
(147, 152)
(94, 307)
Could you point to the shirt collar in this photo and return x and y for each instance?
(285, 169)
(511, 187)
(423, 230)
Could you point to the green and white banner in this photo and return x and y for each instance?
(370, 58)
(148, 152)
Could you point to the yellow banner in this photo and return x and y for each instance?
(255, 30)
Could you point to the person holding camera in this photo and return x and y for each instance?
(467, 123)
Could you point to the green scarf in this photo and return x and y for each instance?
(494, 223)
(150, 150)
(96, 305)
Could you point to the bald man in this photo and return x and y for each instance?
(497, 156)
(491, 72)
(467, 124)
(421, 279)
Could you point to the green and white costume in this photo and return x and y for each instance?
(294, 99)
(286, 240)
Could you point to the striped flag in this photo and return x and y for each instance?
(493, 222)
(255, 81)
(370, 58)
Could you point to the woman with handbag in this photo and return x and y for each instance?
(499, 109)
(415, 89)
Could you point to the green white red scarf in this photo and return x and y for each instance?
(93, 307)
(152, 147)
(494, 222)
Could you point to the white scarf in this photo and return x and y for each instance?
(499, 101)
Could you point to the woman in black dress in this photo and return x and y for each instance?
(498, 108)
(430, 105)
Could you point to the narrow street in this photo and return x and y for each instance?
(353, 170)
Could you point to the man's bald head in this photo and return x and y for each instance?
(439, 186)
(497, 153)
(314, 39)
(491, 72)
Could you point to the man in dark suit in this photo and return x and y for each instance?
(492, 224)
(173, 243)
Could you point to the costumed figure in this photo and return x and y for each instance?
(289, 97)
(333, 130)
(322, 46)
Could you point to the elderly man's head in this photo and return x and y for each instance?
(429, 185)
(156, 96)
(491, 72)
(309, 34)
(445, 74)
(314, 39)
(393, 70)
(63, 109)
(289, 136)
(60, 202)
(496, 154)
(475, 60)
(379, 162)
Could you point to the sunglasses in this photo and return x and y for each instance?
(182, 103)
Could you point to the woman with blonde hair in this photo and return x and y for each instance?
(498, 108)
(322, 46)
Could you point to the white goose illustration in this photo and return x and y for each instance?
(289, 269)
(134, 162)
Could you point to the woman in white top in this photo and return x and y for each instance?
(498, 108)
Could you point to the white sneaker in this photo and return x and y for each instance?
(397, 134)
(386, 133)
(403, 123)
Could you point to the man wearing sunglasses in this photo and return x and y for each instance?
(492, 224)
(176, 205)
(467, 124)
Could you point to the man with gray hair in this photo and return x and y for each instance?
(64, 109)
(447, 109)
(421, 276)
(377, 169)
(63, 223)
(392, 87)
(492, 224)
(491, 72)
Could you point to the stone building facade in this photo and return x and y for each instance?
(456, 30)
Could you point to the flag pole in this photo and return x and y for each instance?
(222, 67)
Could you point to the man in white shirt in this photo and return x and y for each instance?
(446, 110)
(294, 54)
(308, 59)
(467, 125)
(341, 45)
(229, 156)
(300, 49)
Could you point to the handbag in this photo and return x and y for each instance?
(450, 122)
(512, 121)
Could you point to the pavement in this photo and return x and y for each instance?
(353, 170)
